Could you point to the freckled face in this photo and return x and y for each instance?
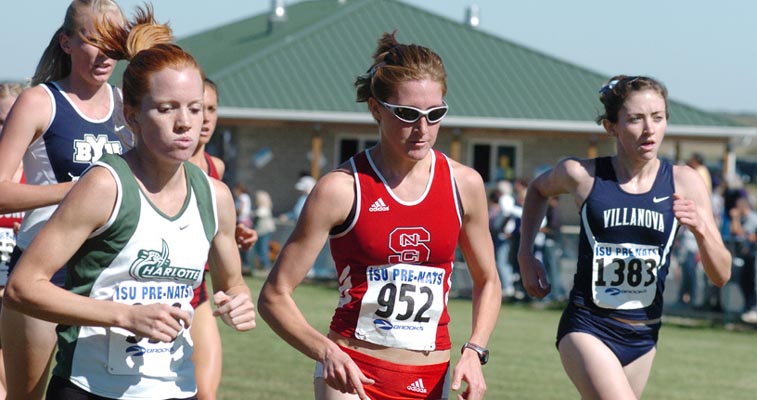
(170, 116)
(641, 125)
(414, 140)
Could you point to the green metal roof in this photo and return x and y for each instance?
(308, 63)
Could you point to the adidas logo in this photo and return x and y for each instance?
(379, 205)
(417, 386)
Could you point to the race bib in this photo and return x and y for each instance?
(7, 241)
(129, 354)
(624, 275)
(402, 306)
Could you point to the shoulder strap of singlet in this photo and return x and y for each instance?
(201, 185)
(352, 216)
(603, 168)
(212, 170)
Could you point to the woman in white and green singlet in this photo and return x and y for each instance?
(136, 231)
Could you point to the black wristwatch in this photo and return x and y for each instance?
(483, 352)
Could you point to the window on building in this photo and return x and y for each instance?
(495, 161)
(349, 146)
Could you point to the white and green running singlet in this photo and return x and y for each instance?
(140, 256)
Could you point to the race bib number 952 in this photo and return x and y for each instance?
(402, 306)
(624, 275)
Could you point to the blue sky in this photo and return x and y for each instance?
(704, 51)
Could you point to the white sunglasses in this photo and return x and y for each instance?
(411, 114)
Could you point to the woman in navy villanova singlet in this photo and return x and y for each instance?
(631, 205)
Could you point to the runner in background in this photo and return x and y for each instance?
(59, 127)
(9, 223)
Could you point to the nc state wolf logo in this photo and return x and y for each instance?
(409, 245)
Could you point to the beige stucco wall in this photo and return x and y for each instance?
(290, 147)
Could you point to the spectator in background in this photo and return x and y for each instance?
(508, 212)
(696, 161)
(743, 236)
(552, 251)
(497, 222)
(734, 190)
(520, 186)
(243, 205)
(265, 225)
(687, 254)
(304, 185)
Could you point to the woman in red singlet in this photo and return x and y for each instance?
(394, 215)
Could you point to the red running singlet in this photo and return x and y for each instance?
(394, 260)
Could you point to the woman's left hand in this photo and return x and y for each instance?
(246, 237)
(685, 210)
(468, 369)
(237, 312)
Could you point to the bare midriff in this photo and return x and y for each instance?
(391, 354)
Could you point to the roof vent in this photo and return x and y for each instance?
(471, 16)
(278, 11)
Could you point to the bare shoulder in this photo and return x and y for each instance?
(336, 184)
(34, 103)
(332, 197)
(466, 177)
(36, 96)
(577, 168)
(470, 186)
(81, 200)
(223, 193)
(570, 175)
(98, 179)
(688, 182)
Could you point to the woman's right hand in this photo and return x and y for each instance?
(161, 322)
(341, 373)
(533, 276)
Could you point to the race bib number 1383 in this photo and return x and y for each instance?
(624, 275)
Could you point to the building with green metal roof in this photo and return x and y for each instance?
(287, 100)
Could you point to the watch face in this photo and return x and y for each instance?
(483, 353)
(484, 356)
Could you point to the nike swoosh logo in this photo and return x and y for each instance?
(657, 200)
(183, 227)
(118, 128)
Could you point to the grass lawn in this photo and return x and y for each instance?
(691, 363)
